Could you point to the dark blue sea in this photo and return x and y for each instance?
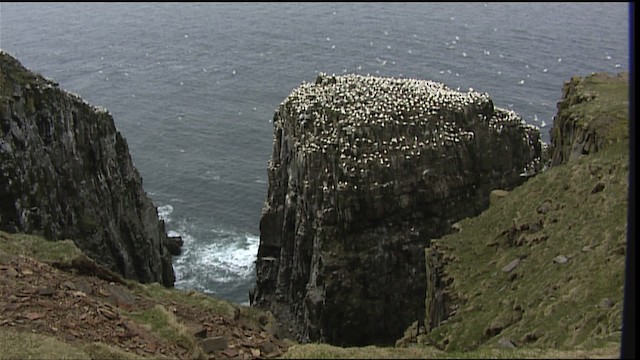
(193, 86)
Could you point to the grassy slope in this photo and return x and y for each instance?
(63, 254)
(556, 302)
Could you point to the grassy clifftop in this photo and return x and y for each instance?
(593, 114)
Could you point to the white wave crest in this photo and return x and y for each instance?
(164, 211)
(226, 259)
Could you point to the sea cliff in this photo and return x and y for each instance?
(365, 171)
(538, 274)
(66, 173)
(592, 114)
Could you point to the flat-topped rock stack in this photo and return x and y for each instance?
(364, 172)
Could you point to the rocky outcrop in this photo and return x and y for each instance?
(588, 117)
(364, 172)
(66, 173)
(438, 304)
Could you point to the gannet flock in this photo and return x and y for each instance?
(362, 124)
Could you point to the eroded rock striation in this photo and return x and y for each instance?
(66, 173)
(364, 172)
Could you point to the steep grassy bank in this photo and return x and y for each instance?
(544, 266)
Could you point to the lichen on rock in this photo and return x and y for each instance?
(364, 172)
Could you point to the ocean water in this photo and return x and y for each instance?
(193, 86)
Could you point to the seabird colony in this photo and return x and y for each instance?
(363, 124)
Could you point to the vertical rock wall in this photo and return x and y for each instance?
(364, 172)
(66, 173)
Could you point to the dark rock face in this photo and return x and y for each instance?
(438, 304)
(66, 173)
(364, 172)
(174, 245)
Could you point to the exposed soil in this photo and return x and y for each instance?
(80, 309)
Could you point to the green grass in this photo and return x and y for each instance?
(24, 345)
(102, 351)
(325, 351)
(13, 72)
(556, 301)
(199, 300)
(21, 345)
(164, 323)
(50, 252)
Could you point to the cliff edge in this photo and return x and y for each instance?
(592, 114)
(66, 173)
